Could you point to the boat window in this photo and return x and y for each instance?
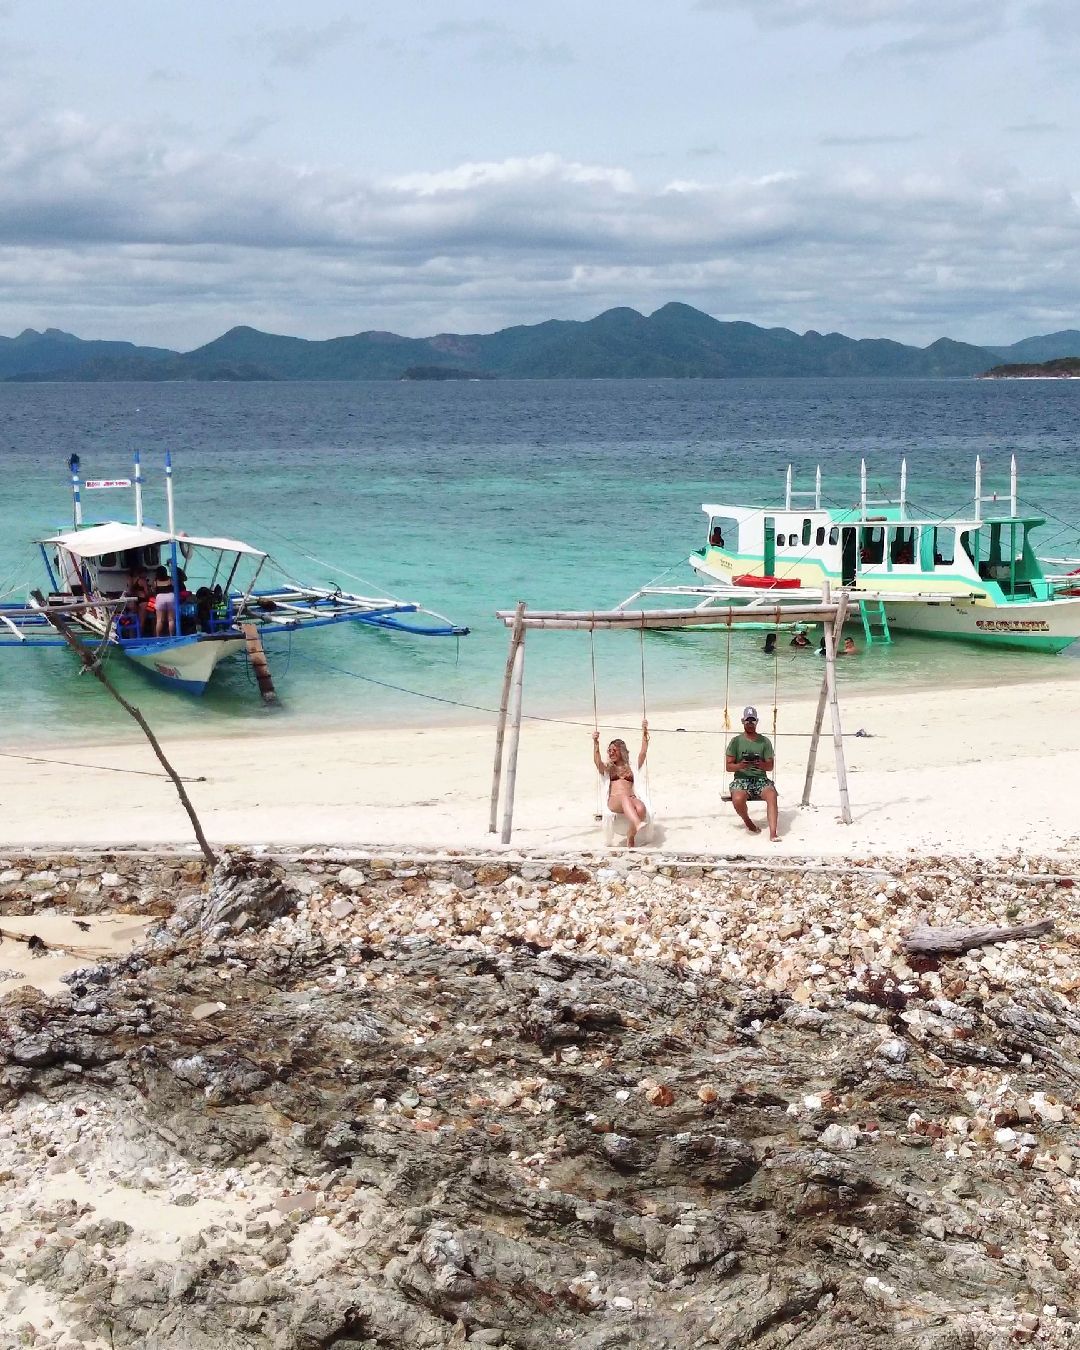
(723, 532)
(107, 560)
(779, 541)
(792, 539)
(151, 555)
(819, 538)
(834, 535)
(944, 545)
(872, 545)
(806, 528)
(902, 548)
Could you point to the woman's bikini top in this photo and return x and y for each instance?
(620, 773)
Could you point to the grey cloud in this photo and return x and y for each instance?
(493, 43)
(872, 138)
(299, 46)
(96, 219)
(1034, 129)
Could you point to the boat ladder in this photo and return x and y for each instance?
(873, 612)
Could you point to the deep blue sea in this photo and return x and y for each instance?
(469, 496)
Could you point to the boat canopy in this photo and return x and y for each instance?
(115, 537)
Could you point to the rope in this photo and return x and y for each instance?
(644, 709)
(727, 681)
(598, 814)
(529, 717)
(775, 681)
(100, 768)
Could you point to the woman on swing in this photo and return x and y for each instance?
(621, 796)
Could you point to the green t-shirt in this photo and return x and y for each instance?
(741, 746)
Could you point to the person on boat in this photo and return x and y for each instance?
(770, 644)
(163, 603)
(800, 639)
(140, 590)
(750, 760)
(620, 775)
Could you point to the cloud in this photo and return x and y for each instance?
(493, 43)
(872, 138)
(105, 230)
(297, 47)
(905, 27)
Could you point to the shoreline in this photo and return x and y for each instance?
(936, 772)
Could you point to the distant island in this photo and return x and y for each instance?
(675, 342)
(1064, 368)
(444, 373)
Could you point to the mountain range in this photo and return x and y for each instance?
(677, 341)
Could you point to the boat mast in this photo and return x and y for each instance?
(862, 486)
(172, 540)
(76, 499)
(1012, 485)
(978, 487)
(138, 489)
(903, 489)
(787, 490)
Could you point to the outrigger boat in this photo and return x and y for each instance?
(92, 571)
(973, 576)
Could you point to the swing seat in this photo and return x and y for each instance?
(616, 825)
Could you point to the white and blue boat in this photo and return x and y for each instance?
(93, 574)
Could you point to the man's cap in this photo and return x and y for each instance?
(749, 713)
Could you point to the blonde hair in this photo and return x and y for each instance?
(619, 745)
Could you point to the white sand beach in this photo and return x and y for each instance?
(954, 770)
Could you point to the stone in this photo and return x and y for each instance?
(351, 877)
(204, 1010)
(340, 908)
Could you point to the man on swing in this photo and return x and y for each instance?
(750, 759)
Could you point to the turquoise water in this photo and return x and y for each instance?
(471, 496)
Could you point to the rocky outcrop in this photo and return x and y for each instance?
(425, 1120)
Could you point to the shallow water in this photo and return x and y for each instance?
(469, 496)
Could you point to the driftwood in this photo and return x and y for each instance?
(926, 941)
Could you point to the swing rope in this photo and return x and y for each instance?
(644, 710)
(599, 813)
(727, 680)
(776, 680)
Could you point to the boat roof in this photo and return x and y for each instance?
(114, 537)
(876, 515)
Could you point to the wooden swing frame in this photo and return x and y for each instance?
(831, 614)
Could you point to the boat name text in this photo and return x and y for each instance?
(1013, 625)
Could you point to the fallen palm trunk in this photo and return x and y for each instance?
(926, 941)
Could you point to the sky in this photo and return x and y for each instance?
(881, 168)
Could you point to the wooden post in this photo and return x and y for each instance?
(500, 731)
(831, 637)
(819, 716)
(515, 736)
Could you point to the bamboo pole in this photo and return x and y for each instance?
(500, 730)
(819, 718)
(515, 737)
(91, 662)
(666, 618)
(834, 714)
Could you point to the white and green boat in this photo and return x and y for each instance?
(973, 576)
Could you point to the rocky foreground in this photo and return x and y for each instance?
(361, 1102)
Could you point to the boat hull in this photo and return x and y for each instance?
(1049, 626)
(185, 663)
(1041, 625)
